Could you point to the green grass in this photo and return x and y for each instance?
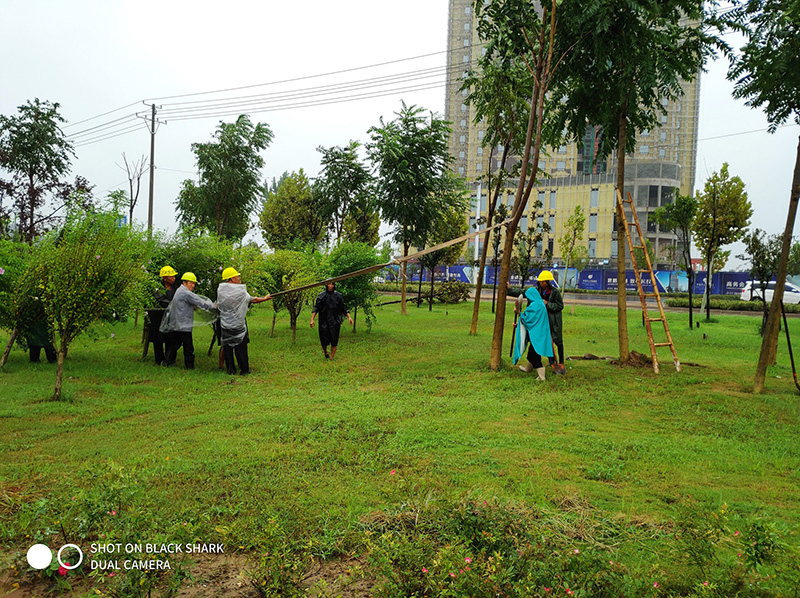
(302, 451)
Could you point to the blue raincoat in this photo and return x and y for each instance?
(534, 326)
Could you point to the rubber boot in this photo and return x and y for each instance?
(540, 373)
(527, 368)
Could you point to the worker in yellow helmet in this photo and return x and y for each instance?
(179, 320)
(233, 301)
(555, 305)
(154, 316)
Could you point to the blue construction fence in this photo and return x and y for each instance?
(668, 281)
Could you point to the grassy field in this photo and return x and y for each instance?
(406, 456)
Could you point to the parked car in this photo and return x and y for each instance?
(791, 293)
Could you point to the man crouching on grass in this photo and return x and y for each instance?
(331, 309)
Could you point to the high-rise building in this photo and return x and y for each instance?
(663, 160)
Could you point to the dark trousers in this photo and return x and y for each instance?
(240, 351)
(49, 352)
(534, 357)
(560, 347)
(176, 340)
(158, 351)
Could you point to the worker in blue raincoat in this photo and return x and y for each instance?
(533, 327)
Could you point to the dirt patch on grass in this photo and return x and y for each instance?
(221, 576)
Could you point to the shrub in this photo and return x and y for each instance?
(453, 291)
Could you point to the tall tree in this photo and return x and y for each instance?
(35, 151)
(229, 170)
(571, 242)
(765, 74)
(523, 30)
(626, 58)
(499, 89)
(723, 215)
(291, 214)
(414, 183)
(343, 187)
(679, 216)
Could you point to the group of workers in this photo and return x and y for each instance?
(170, 326)
(539, 322)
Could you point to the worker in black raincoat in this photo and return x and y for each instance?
(331, 309)
(154, 316)
(555, 305)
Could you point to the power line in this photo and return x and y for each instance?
(293, 80)
(746, 132)
(86, 142)
(312, 104)
(85, 120)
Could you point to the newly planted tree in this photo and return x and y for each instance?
(764, 253)
(450, 225)
(499, 89)
(679, 216)
(625, 60)
(723, 215)
(765, 74)
(571, 242)
(90, 269)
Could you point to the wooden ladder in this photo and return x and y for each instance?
(642, 295)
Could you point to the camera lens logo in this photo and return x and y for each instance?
(40, 556)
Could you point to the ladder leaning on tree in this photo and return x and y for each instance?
(642, 295)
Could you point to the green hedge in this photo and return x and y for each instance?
(727, 304)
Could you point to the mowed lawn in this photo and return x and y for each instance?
(408, 412)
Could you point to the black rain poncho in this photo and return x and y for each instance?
(331, 310)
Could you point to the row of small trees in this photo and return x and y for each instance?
(91, 269)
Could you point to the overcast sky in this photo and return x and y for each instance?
(98, 56)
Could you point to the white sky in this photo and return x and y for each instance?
(94, 56)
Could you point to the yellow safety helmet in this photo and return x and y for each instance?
(189, 276)
(545, 275)
(167, 271)
(229, 273)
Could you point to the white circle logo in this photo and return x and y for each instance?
(69, 567)
(40, 556)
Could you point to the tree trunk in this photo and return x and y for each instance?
(62, 354)
(691, 288)
(404, 269)
(430, 299)
(521, 198)
(479, 286)
(145, 340)
(709, 279)
(355, 316)
(272, 330)
(419, 289)
(4, 358)
(487, 238)
(622, 302)
(494, 289)
(769, 344)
